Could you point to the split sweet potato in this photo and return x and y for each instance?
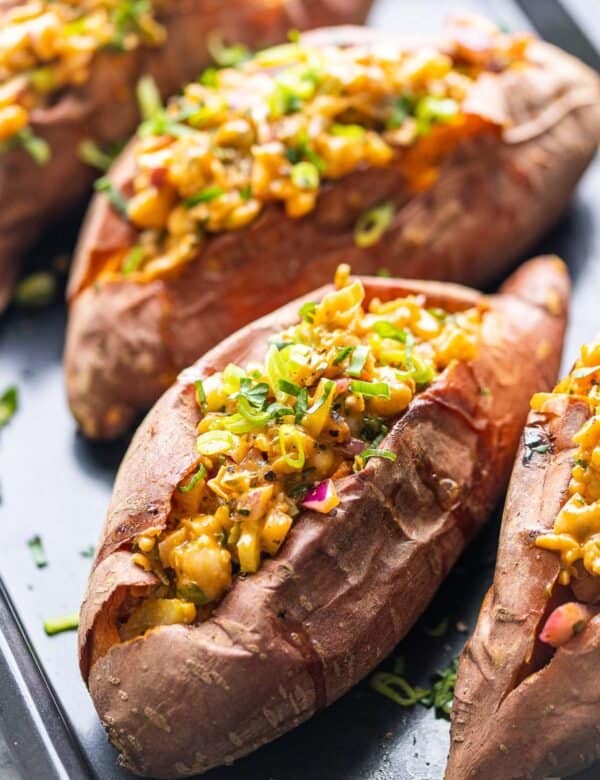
(346, 586)
(527, 696)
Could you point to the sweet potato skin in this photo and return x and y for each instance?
(500, 699)
(105, 108)
(344, 588)
(492, 200)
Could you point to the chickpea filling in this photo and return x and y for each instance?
(278, 125)
(576, 533)
(47, 45)
(275, 436)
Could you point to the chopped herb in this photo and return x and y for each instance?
(37, 551)
(359, 358)
(226, 56)
(372, 389)
(372, 224)
(204, 196)
(256, 395)
(36, 290)
(581, 462)
(403, 107)
(199, 475)
(91, 154)
(327, 390)
(386, 330)
(246, 192)
(148, 97)
(289, 387)
(431, 110)
(200, 394)
(305, 175)
(307, 311)
(384, 272)
(441, 695)
(9, 403)
(88, 552)
(342, 354)
(35, 146)
(279, 344)
(373, 429)
(372, 452)
(193, 593)
(535, 441)
(116, 198)
(301, 407)
(293, 36)
(209, 77)
(57, 625)
(132, 260)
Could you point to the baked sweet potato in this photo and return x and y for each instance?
(527, 698)
(97, 103)
(450, 188)
(360, 495)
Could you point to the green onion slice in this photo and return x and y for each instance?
(372, 224)
(199, 475)
(373, 389)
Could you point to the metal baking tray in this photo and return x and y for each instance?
(57, 485)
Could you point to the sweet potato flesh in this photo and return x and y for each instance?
(273, 437)
(576, 533)
(46, 46)
(274, 128)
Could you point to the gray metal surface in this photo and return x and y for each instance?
(57, 485)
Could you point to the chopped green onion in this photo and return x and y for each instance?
(9, 403)
(373, 389)
(289, 387)
(132, 260)
(328, 388)
(290, 432)
(226, 56)
(342, 354)
(199, 475)
(403, 107)
(293, 36)
(91, 154)
(216, 443)
(116, 198)
(305, 176)
(35, 146)
(204, 196)
(209, 77)
(383, 272)
(373, 452)
(436, 109)
(347, 131)
(301, 406)
(88, 552)
(246, 192)
(438, 631)
(200, 394)
(37, 551)
(441, 695)
(36, 290)
(57, 625)
(148, 97)
(387, 330)
(397, 688)
(307, 311)
(194, 593)
(277, 56)
(256, 395)
(359, 358)
(372, 224)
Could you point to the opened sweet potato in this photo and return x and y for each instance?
(289, 507)
(69, 72)
(527, 699)
(442, 163)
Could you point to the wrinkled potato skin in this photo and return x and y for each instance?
(509, 720)
(493, 199)
(294, 637)
(34, 197)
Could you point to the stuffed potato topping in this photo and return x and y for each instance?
(68, 76)
(536, 647)
(291, 504)
(447, 160)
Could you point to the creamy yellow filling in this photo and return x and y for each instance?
(576, 532)
(277, 126)
(273, 436)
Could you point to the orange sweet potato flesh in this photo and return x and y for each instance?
(105, 108)
(496, 193)
(344, 588)
(517, 714)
